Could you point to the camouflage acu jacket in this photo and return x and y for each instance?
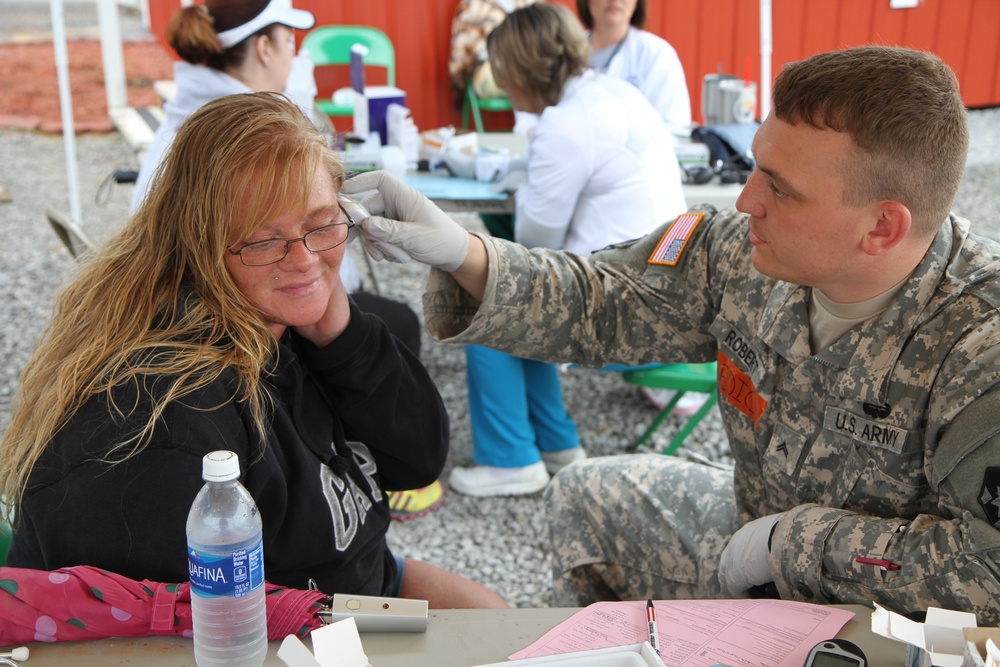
(885, 445)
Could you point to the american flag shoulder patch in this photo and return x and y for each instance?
(668, 250)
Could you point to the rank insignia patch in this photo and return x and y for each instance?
(668, 250)
(989, 496)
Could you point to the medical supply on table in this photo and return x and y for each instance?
(380, 98)
(360, 119)
(226, 568)
(301, 85)
(711, 97)
(402, 132)
(465, 157)
(726, 98)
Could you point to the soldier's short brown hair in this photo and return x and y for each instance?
(904, 112)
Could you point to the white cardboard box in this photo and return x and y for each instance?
(938, 641)
(632, 655)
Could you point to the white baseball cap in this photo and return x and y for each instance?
(276, 11)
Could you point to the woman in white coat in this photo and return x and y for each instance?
(601, 170)
(622, 49)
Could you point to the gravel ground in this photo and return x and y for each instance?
(499, 541)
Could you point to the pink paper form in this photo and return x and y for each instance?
(701, 633)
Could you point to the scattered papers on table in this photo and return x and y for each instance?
(701, 633)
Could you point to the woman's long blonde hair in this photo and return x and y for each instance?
(157, 300)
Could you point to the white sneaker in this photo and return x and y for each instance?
(556, 461)
(490, 481)
(690, 403)
(687, 406)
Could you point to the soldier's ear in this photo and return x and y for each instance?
(891, 224)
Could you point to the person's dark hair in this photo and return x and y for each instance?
(638, 19)
(904, 112)
(538, 48)
(192, 32)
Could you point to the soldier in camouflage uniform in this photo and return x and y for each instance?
(858, 346)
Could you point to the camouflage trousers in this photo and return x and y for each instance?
(636, 527)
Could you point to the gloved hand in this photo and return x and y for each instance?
(511, 182)
(460, 163)
(744, 561)
(413, 227)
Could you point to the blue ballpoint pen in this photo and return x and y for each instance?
(654, 635)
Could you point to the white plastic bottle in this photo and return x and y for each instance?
(226, 569)
(301, 84)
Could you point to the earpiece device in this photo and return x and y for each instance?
(379, 614)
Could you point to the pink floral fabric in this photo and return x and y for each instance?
(84, 602)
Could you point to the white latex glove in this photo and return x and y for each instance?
(511, 182)
(412, 226)
(744, 561)
(460, 163)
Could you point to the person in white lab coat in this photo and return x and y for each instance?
(601, 169)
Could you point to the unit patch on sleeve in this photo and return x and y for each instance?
(668, 250)
(989, 496)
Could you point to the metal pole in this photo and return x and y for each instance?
(66, 106)
(111, 54)
(766, 49)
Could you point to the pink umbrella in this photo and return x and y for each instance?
(84, 602)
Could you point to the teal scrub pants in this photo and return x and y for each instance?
(516, 409)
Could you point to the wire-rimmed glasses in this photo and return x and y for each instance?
(327, 237)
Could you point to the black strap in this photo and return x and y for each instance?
(604, 68)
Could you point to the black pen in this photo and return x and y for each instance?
(654, 635)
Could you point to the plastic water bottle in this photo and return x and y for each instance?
(226, 569)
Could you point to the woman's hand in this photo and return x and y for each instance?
(333, 321)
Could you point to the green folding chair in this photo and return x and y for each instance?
(477, 105)
(681, 378)
(331, 45)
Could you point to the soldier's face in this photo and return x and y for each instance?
(801, 230)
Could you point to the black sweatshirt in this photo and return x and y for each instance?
(350, 421)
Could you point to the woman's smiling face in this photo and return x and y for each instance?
(296, 290)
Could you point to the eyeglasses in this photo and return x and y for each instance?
(328, 237)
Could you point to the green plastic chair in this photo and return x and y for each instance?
(681, 378)
(479, 104)
(331, 45)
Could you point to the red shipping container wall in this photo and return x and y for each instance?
(709, 35)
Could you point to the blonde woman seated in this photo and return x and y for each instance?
(217, 319)
(601, 170)
(229, 47)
